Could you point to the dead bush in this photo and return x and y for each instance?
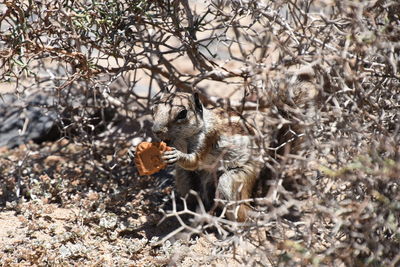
(329, 68)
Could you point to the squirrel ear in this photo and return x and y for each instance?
(197, 103)
(156, 99)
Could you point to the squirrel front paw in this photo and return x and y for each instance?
(172, 156)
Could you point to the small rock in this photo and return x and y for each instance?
(53, 159)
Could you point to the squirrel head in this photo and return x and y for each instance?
(177, 116)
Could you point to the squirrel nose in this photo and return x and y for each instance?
(157, 129)
(157, 132)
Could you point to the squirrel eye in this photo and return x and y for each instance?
(181, 115)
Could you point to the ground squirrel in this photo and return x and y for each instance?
(212, 150)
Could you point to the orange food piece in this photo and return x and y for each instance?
(148, 157)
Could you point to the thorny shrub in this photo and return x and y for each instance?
(336, 201)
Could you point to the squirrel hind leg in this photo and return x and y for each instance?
(235, 185)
